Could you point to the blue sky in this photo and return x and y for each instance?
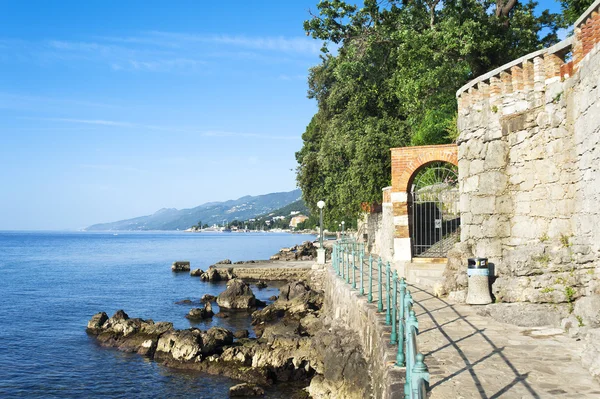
(115, 109)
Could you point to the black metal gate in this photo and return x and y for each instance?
(434, 211)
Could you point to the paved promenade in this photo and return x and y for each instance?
(472, 356)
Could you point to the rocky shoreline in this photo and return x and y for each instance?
(296, 341)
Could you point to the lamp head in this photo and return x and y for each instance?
(321, 204)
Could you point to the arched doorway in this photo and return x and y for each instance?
(409, 166)
(433, 205)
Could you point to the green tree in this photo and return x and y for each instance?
(387, 78)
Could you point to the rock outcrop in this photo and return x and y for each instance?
(200, 313)
(214, 274)
(181, 266)
(238, 295)
(245, 390)
(295, 344)
(196, 273)
(305, 251)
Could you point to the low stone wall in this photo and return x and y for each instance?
(266, 273)
(344, 304)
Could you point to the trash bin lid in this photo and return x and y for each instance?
(478, 263)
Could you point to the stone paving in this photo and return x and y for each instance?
(472, 356)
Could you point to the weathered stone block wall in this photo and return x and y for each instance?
(379, 228)
(529, 170)
(356, 313)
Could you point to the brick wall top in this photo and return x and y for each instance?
(533, 71)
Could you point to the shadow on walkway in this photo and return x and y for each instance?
(475, 357)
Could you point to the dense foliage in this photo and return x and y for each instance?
(388, 76)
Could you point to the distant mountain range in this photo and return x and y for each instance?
(212, 212)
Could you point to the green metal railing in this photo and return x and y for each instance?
(349, 259)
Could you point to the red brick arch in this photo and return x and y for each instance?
(406, 161)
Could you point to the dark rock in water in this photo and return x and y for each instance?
(238, 295)
(261, 284)
(293, 290)
(259, 304)
(273, 298)
(200, 313)
(241, 334)
(224, 262)
(96, 322)
(292, 313)
(222, 315)
(184, 302)
(241, 390)
(212, 274)
(208, 298)
(214, 339)
(196, 273)
(182, 345)
(181, 266)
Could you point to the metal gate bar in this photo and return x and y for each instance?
(435, 221)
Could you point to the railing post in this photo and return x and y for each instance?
(380, 301)
(388, 315)
(370, 278)
(408, 301)
(402, 294)
(343, 270)
(362, 275)
(353, 269)
(333, 257)
(419, 372)
(394, 336)
(348, 266)
(400, 357)
(411, 328)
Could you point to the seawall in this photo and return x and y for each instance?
(353, 310)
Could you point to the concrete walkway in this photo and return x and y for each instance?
(472, 356)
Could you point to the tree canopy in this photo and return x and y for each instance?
(387, 78)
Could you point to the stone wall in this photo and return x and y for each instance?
(357, 314)
(529, 170)
(379, 229)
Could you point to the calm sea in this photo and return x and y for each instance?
(52, 283)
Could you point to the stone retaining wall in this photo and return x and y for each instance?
(379, 229)
(529, 170)
(265, 273)
(357, 314)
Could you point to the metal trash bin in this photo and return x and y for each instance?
(479, 285)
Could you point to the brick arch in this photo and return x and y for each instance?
(406, 161)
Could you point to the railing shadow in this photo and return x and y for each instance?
(469, 365)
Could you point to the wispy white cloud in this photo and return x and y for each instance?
(173, 129)
(280, 44)
(159, 51)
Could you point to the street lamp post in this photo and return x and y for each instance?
(321, 204)
(343, 223)
(321, 250)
